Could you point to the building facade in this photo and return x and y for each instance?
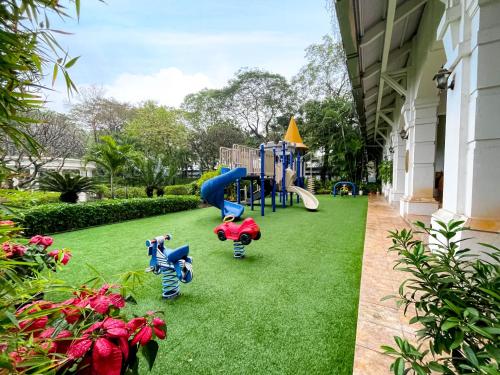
(444, 142)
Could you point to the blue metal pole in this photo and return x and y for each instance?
(283, 187)
(299, 178)
(291, 166)
(251, 195)
(238, 191)
(273, 198)
(262, 175)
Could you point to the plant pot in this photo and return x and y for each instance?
(360, 192)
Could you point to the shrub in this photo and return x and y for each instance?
(69, 185)
(178, 189)
(207, 176)
(385, 171)
(455, 296)
(63, 217)
(124, 192)
(25, 198)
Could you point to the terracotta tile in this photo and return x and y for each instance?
(379, 321)
(372, 335)
(370, 362)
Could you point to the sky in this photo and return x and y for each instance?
(162, 50)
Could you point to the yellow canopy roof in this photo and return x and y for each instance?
(293, 136)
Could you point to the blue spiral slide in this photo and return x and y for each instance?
(212, 191)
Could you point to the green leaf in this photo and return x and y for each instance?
(71, 62)
(54, 73)
(399, 366)
(434, 366)
(149, 351)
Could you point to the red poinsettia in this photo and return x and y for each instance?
(45, 241)
(107, 341)
(63, 255)
(7, 223)
(144, 329)
(57, 344)
(13, 250)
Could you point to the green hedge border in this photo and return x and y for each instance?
(62, 217)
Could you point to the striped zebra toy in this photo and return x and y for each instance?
(173, 265)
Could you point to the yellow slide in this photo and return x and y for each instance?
(310, 201)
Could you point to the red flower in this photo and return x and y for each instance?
(101, 302)
(159, 328)
(70, 310)
(13, 249)
(143, 336)
(7, 223)
(36, 306)
(108, 342)
(34, 325)
(144, 330)
(64, 258)
(45, 241)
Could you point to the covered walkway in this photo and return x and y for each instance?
(379, 321)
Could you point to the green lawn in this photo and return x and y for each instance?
(289, 307)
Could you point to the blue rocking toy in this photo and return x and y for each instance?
(173, 264)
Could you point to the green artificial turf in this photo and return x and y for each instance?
(289, 307)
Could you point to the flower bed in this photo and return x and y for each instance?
(63, 217)
(85, 334)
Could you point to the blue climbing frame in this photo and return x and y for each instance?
(288, 156)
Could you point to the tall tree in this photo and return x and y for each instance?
(329, 127)
(325, 73)
(158, 130)
(99, 114)
(59, 138)
(111, 156)
(209, 127)
(254, 99)
(28, 49)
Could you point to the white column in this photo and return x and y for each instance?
(470, 31)
(421, 122)
(398, 169)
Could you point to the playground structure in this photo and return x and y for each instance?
(173, 264)
(241, 234)
(272, 168)
(354, 189)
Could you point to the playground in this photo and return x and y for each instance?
(289, 306)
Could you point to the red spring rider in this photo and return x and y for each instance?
(241, 234)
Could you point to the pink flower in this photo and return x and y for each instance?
(64, 258)
(12, 250)
(45, 241)
(60, 343)
(7, 223)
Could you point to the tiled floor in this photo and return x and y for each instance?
(379, 321)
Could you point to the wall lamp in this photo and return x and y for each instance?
(403, 134)
(441, 79)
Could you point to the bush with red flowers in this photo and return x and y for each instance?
(34, 252)
(85, 334)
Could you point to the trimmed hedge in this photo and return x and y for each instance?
(188, 189)
(26, 198)
(62, 217)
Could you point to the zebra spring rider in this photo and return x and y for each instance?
(174, 265)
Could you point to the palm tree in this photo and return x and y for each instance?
(111, 156)
(69, 185)
(152, 172)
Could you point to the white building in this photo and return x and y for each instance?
(394, 50)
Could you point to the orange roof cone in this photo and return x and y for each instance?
(293, 136)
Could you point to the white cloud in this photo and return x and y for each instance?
(168, 86)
